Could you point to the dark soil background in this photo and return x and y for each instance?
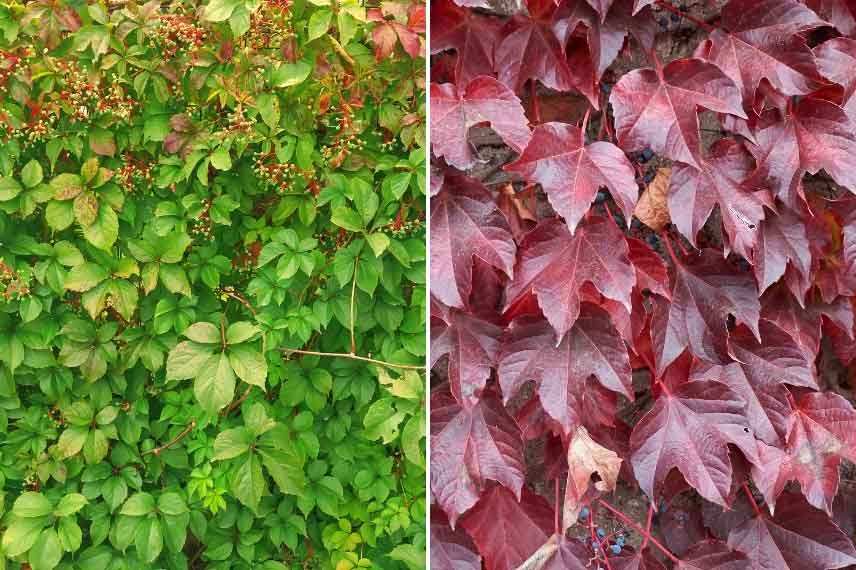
(686, 519)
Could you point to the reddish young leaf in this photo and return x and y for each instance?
(386, 32)
(693, 193)
(705, 290)
(470, 446)
(465, 223)
(508, 531)
(473, 37)
(782, 241)
(689, 429)
(713, 555)
(531, 50)
(571, 172)
(484, 100)
(821, 430)
(555, 265)
(798, 537)
(451, 549)
(762, 41)
(591, 347)
(472, 345)
(657, 108)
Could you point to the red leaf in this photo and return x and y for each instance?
(713, 555)
(591, 347)
(555, 265)
(465, 222)
(690, 429)
(451, 549)
(841, 13)
(814, 135)
(657, 108)
(629, 560)
(472, 345)
(472, 36)
(760, 376)
(484, 100)
(531, 50)
(782, 241)
(763, 42)
(693, 193)
(571, 172)
(798, 537)
(651, 272)
(705, 290)
(836, 59)
(779, 306)
(821, 430)
(570, 554)
(470, 446)
(508, 531)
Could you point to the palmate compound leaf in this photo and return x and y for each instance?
(813, 135)
(555, 265)
(689, 428)
(821, 430)
(694, 192)
(759, 376)
(451, 549)
(454, 109)
(798, 537)
(472, 345)
(571, 172)
(470, 446)
(592, 347)
(508, 531)
(763, 41)
(473, 37)
(657, 108)
(705, 290)
(531, 50)
(466, 223)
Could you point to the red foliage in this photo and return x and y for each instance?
(696, 356)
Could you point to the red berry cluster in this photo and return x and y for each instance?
(177, 34)
(134, 173)
(13, 286)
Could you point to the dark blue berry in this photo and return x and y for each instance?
(601, 533)
(616, 549)
(595, 545)
(663, 507)
(646, 155)
(676, 18)
(605, 88)
(602, 195)
(584, 513)
(635, 223)
(649, 176)
(619, 541)
(664, 23)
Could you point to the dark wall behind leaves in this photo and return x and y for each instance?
(194, 200)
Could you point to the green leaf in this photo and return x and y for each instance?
(71, 441)
(319, 23)
(66, 186)
(9, 188)
(70, 535)
(84, 277)
(59, 215)
(241, 331)
(215, 385)
(248, 483)
(102, 233)
(22, 534)
(46, 552)
(85, 207)
(220, 159)
(148, 540)
(70, 504)
(249, 364)
(290, 74)
(138, 505)
(170, 503)
(412, 556)
(31, 504)
(174, 279)
(31, 174)
(268, 106)
(202, 332)
(220, 10)
(231, 443)
(347, 218)
(382, 421)
(378, 243)
(187, 359)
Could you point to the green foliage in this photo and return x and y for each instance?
(195, 201)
